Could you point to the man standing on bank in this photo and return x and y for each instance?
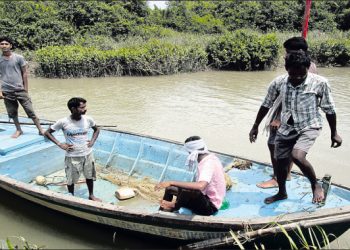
(14, 85)
(303, 94)
(79, 156)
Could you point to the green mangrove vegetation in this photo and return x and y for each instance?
(127, 37)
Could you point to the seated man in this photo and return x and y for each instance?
(205, 195)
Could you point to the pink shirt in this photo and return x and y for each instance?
(211, 170)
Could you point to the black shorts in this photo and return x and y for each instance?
(192, 199)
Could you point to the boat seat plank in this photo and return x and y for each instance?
(8, 144)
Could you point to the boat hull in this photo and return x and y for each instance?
(139, 155)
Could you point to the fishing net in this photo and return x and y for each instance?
(141, 186)
(239, 164)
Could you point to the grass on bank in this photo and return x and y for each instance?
(18, 242)
(310, 238)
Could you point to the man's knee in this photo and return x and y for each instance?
(298, 156)
(172, 190)
(30, 113)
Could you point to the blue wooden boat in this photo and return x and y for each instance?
(139, 156)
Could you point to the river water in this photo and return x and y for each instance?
(219, 106)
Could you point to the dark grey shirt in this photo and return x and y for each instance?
(11, 73)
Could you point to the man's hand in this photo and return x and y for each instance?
(66, 147)
(1, 95)
(90, 144)
(253, 134)
(275, 124)
(336, 141)
(164, 184)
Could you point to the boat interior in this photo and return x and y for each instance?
(151, 160)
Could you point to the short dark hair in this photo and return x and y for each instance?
(75, 102)
(296, 43)
(192, 138)
(297, 59)
(7, 39)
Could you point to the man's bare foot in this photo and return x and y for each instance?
(93, 198)
(167, 205)
(276, 197)
(17, 134)
(272, 183)
(318, 195)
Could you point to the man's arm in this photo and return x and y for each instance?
(64, 146)
(253, 134)
(199, 185)
(336, 139)
(94, 136)
(25, 77)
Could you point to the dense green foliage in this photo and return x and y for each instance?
(154, 58)
(333, 51)
(217, 16)
(110, 37)
(36, 24)
(243, 50)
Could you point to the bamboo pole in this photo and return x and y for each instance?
(230, 240)
(50, 123)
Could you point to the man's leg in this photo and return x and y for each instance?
(88, 167)
(305, 141)
(167, 203)
(299, 158)
(283, 149)
(11, 105)
(281, 174)
(18, 128)
(196, 201)
(71, 174)
(71, 188)
(38, 125)
(27, 105)
(273, 181)
(90, 185)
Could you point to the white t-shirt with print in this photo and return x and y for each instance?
(76, 133)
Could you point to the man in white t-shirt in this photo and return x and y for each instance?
(79, 156)
(205, 195)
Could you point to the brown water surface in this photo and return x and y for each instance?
(219, 106)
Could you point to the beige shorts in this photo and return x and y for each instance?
(80, 164)
(284, 144)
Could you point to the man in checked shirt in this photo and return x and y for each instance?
(303, 93)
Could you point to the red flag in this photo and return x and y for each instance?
(306, 18)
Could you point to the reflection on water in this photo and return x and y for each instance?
(219, 106)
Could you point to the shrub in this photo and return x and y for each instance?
(153, 58)
(152, 31)
(335, 52)
(243, 50)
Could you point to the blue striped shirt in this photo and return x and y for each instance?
(302, 102)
